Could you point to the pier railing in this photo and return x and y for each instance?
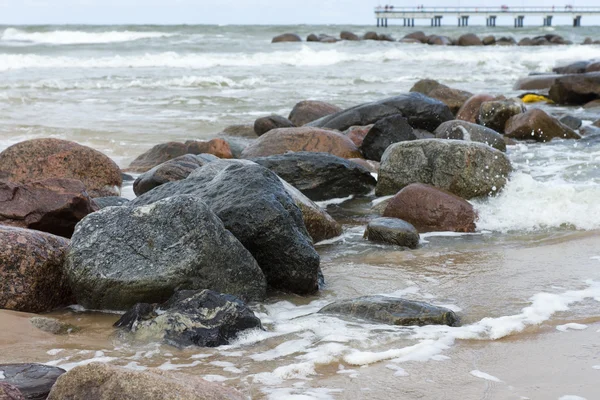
(488, 10)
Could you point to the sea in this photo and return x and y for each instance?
(526, 284)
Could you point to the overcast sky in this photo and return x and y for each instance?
(223, 11)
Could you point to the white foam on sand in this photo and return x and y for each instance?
(483, 375)
(53, 352)
(215, 378)
(167, 366)
(573, 326)
(399, 371)
(301, 394)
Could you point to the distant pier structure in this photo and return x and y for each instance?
(462, 14)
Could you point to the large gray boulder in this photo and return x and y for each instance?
(469, 132)
(392, 311)
(576, 89)
(191, 318)
(34, 381)
(120, 256)
(253, 204)
(422, 112)
(386, 131)
(320, 176)
(466, 169)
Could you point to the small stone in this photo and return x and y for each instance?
(392, 231)
(52, 325)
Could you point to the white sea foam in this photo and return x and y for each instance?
(483, 375)
(596, 367)
(62, 37)
(571, 397)
(573, 326)
(2, 376)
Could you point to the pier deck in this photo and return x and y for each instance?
(462, 14)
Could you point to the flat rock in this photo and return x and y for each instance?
(578, 67)
(422, 112)
(40, 159)
(385, 132)
(167, 151)
(280, 141)
(470, 109)
(265, 124)
(120, 256)
(320, 176)
(537, 125)
(392, 231)
(576, 89)
(253, 204)
(169, 171)
(53, 205)
(310, 110)
(467, 169)
(430, 209)
(495, 113)
(104, 381)
(31, 270)
(463, 130)
(34, 381)
(536, 82)
(392, 311)
(192, 318)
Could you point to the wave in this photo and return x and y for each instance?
(76, 37)
(502, 63)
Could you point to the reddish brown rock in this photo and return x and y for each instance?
(39, 159)
(265, 124)
(470, 109)
(167, 151)
(357, 133)
(31, 273)
(419, 35)
(537, 125)
(280, 141)
(593, 67)
(53, 205)
(469, 39)
(592, 104)
(430, 209)
(311, 110)
(10, 392)
(597, 123)
(453, 98)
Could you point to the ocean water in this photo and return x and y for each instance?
(526, 284)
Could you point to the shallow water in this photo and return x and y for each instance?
(532, 268)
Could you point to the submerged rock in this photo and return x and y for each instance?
(320, 176)
(283, 140)
(191, 318)
(392, 231)
(467, 169)
(430, 209)
(463, 130)
(310, 110)
(53, 205)
(111, 201)
(39, 159)
(53, 326)
(104, 381)
(571, 121)
(265, 124)
(31, 270)
(385, 132)
(120, 256)
(392, 311)
(537, 125)
(422, 112)
(255, 207)
(34, 381)
(494, 114)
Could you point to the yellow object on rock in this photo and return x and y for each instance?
(535, 98)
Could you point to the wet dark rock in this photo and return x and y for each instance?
(53, 326)
(312, 38)
(370, 165)
(191, 318)
(310, 110)
(439, 40)
(286, 37)
(488, 40)
(469, 39)
(111, 201)
(392, 311)
(537, 125)
(98, 381)
(421, 111)
(169, 171)
(253, 204)
(467, 131)
(167, 151)
(53, 205)
(419, 35)
(31, 270)
(593, 67)
(238, 144)
(571, 121)
(371, 36)
(467, 169)
(386, 38)
(453, 98)
(40, 159)
(345, 35)
(525, 42)
(592, 104)
(10, 392)
(576, 89)
(506, 41)
(265, 124)
(470, 109)
(306, 138)
(239, 130)
(323, 38)
(495, 113)
(536, 82)
(573, 68)
(597, 123)
(385, 132)
(34, 381)
(392, 231)
(320, 176)
(120, 256)
(430, 209)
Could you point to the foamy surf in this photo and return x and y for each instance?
(64, 37)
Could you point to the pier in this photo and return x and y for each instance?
(491, 14)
